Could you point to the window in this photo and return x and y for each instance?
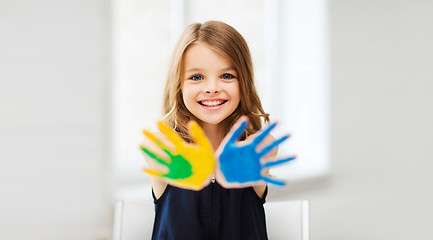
(296, 83)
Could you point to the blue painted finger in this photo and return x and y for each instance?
(277, 162)
(273, 181)
(257, 140)
(238, 132)
(273, 145)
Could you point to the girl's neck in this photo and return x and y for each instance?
(213, 133)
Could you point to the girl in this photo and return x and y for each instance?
(210, 81)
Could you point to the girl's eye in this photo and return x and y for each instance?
(196, 77)
(227, 76)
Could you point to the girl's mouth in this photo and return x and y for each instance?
(212, 103)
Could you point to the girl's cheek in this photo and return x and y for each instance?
(234, 86)
(189, 90)
(193, 88)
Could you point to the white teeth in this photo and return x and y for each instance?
(211, 103)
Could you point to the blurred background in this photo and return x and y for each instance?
(351, 80)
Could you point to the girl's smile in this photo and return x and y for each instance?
(212, 104)
(210, 87)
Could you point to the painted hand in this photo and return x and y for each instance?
(189, 165)
(240, 163)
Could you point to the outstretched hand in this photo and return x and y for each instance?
(241, 164)
(189, 165)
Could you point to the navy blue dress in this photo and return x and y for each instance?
(212, 213)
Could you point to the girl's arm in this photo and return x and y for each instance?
(158, 185)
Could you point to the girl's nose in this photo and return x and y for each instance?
(212, 91)
(212, 87)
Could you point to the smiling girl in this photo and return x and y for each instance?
(210, 80)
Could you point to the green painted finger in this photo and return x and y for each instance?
(155, 156)
(156, 140)
(179, 168)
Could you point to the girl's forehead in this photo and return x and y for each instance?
(202, 56)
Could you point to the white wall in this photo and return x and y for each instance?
(381, 180)
(54, 74)
(54, 80)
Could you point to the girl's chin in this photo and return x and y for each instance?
(211, 121)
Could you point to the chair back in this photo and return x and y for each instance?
(133, 220)
(285, 220)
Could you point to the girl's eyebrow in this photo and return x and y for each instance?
(193, 70)
(199, 69)
(231, 68)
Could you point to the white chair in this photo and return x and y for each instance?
(286, 220)
(133, 220)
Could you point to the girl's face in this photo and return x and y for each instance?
(210, 86)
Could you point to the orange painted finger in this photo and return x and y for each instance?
(198, 135)
(156, 140)
(171, 134)
(153, 172)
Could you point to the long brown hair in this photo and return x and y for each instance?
(227, 41)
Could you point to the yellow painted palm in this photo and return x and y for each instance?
(189, 165)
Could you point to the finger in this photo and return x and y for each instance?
(171, 134)
(161, 160)
(158, 142)
(273, 145)
(153, 172)
(259, 138)
(155, 140)
(198, 135)
(274, 181)
(238, 131)
(278, 162)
